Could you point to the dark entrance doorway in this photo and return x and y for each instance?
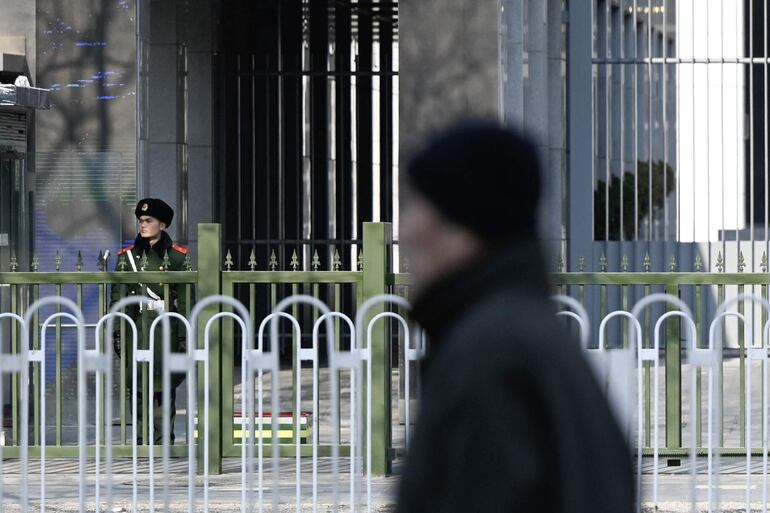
(306, 133)
(14, 229)
(306, 136)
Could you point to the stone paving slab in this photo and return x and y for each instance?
(62, 493)
(225, 490)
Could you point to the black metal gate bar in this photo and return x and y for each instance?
(297, 76)
(386, 21)
(319, 118)
(364, 131)
(344, 177)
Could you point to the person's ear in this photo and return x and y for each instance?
(162, 226)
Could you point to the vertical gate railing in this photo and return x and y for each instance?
(604, 292)
(90, 292)
(15, 364)
(615, 366)
(374, 304)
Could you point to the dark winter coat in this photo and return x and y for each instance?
(511, 418)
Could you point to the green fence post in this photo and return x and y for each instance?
(673, 377)
(377, 239)
(210, 283)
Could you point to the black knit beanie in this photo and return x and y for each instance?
(484, 177)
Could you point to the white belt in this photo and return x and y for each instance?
(157, 305)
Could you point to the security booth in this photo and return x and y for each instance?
(17, 107)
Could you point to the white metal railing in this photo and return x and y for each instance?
(95, 489)
(619, 372)
(708, 359)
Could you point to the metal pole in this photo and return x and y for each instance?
(377, 238)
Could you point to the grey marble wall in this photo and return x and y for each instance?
(179, 142)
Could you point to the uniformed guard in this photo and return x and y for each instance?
(153, 250)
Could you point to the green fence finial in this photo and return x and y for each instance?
(145, 262)
(360, 260)
(273, 261)
(253, 260)
(187, 262)
(14, 263)
(166, 261)
(647, 262)
(763, 263)
(122, 264)
(672, 265)
(560, 264)
(337, 261)
(229, 261)
(741, 262)
(100, 262)
(57, 260)
(35, 264)
(698, 265)
(316, 263)
(581, 264)
(720, 262)
(603, 263)
(79, 262)
(624, 264)
(294, 263)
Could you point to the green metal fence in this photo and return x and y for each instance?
(607, 291)
(263, 285)
(367, 280)
(216, 275)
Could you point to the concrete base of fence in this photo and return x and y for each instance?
(223, 507)
(213, 508)
(224, 489)
(675, 491)
(682, 507)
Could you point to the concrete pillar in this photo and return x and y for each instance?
(513, 61)
(160, 177)
(177, 162)
(537, 114)
(580, 117)
(201, 22)
(554, 197)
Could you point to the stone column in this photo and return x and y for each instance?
(202, 20)
(179, 162)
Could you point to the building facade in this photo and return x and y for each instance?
(286, 120)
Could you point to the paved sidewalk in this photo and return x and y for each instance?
(224, 490)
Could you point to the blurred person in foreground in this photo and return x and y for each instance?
(511, 418)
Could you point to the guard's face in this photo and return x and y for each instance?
(149, 227)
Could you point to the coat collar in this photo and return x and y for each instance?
(164, 244)
(519, 265)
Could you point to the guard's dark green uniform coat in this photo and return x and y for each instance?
(511, 418)
(144, 317)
